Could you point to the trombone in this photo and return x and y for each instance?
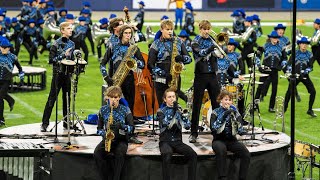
(219, 40)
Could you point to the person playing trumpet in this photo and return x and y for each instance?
(304, 64)
(171, 119)
(225, 123)
(122, 126)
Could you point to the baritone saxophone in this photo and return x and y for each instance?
(109, 132)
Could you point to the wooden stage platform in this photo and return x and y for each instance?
(268, 150)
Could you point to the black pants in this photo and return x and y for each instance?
(99, 47)
(221, 147)
(311, 90)
(273, 79)
(316, 53)
(31, 48)
(247, 49)
(167, 148)
(128, 90)
(4, 87)
(140, 26)
(202, 82)
(160, 88)
(110, 165)
(84, 47)
(58, 81)
(89, 35)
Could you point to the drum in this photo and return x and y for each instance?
(67, 66)
(206, 97)
(235, 90)
(303, 150)
(231, 88)
(81, 66)
(206, 113)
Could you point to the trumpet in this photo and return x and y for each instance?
(219, 40)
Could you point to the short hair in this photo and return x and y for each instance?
(223, 94)
(112, 91)
(122, 29)
(166, 22)
(64, 25)
(168, 90)
(204, 24)
(114, 23)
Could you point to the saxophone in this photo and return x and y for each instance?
(176, 68)
(125, 66)
(109, 133)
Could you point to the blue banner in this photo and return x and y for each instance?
(301, 4)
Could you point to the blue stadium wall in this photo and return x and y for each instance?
(207, 5)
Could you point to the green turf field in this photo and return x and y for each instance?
(30, 105)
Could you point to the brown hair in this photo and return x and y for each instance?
(64, 25)
(223, 94)
(166, 23)
(204, 24)
(112, 91)
(166, 92)
(114, 23)
(122, 29)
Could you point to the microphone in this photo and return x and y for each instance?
(77, 53)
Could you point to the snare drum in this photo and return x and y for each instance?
(67, 66)
(303, 150)
(235, 90)
(231, 88)
(81, 65)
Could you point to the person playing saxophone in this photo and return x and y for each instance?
(163, 54)
(122, 126)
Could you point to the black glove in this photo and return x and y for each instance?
(178, 58)
(261, 69)
(175, 106)
(211, 48)
(168, 78)
(109, 80)
(229, 111)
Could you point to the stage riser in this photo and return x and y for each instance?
(270, 165)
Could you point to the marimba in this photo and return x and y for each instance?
(19, 159)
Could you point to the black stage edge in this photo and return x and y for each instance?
(267, 165)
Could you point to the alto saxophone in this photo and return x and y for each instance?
(125, 66)
(109, 133)
(176, 68)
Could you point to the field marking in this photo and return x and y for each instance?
(27, 106)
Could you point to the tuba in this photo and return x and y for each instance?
(99, 34)
(109, 132)
(125, 66)
(50, 29)
(176, 68)
(150, 35)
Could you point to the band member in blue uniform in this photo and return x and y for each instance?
(24, 12)
(7, 61)
(238, 22)
(189, 19)
(275, 58)
(122, 126)
(204, 73)
(225, 123)
(178, 12)
(256, 22)
(171, 120)
(160, 58)
(62, 15)
(79, 37)
(104, 23)
(29, 37)
(86, 13)
(316, 45)
(61, 48)
(304, 64)
(185, 38)
(42, 9)
(140, 16)
(17, 28)
(115, 55)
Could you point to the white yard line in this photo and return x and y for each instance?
(27, 106)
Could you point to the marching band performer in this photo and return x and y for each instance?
(304, 64)
(17, 28)
(79, 36)
(316, 45)
(204, 73)
(184, 36)
(189, 19)
(86, 13)
(161, 57)
(7, 61)
(225, 123)
(275, 58)
(178, 12)
(140, 16)
(115, 55)
(257, 25)
(238, 22)
(118, 118)
(248, 45)
(171, 119)
(104, 23)
(61, 48)
(62, 15)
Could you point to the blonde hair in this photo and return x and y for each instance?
(112, 91)
(204, 24)
(64, 25)
(166, 23)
